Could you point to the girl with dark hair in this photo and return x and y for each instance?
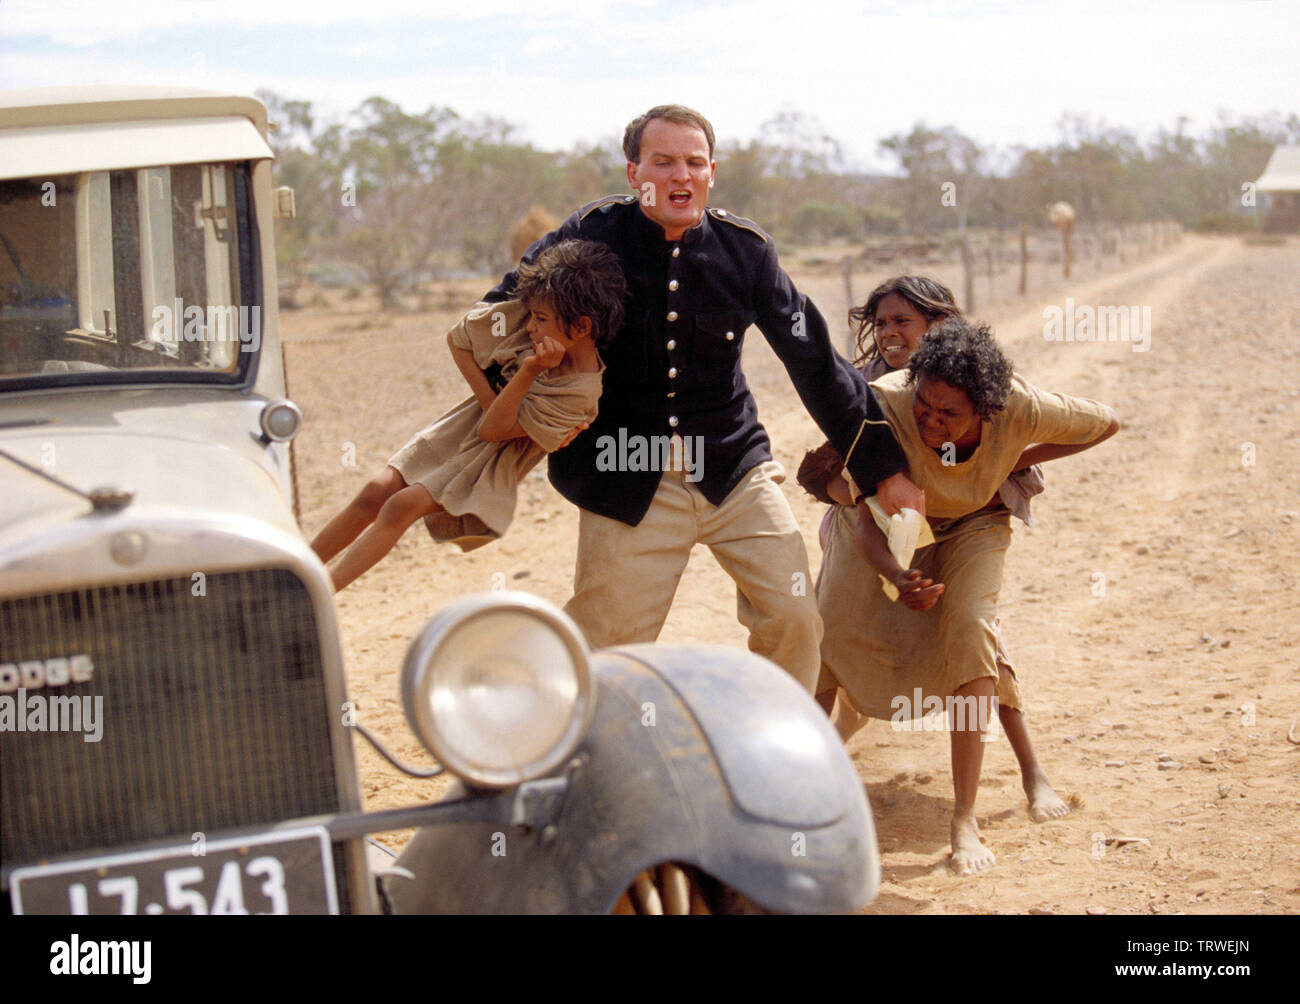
(899, 311)
(965, 422)
(890, 326)
(536, 375)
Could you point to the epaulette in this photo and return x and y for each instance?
(608, 200)
(737, 221)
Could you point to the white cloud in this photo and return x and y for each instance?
(385, 48)
(541, 45)
(85, 22)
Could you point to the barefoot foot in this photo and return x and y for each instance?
(1044, 802)
(969, 856)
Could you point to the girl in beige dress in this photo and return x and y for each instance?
(461, 473)
(890, 326)
(965, 422)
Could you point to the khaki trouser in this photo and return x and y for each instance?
(627, 575)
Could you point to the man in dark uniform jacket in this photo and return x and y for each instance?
(677, 455)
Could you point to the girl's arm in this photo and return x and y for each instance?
(1040, 452)
(917, 593)
(838, 489)
(473, 375)
(501, 418)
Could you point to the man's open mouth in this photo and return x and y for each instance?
(680, 198)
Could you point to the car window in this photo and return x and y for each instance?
(143, 274)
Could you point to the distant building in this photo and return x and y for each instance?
(1280, 184)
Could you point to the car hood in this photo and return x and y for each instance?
(205, 458)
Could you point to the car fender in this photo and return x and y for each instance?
(706, 756)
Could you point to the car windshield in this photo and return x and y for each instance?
(144, 275)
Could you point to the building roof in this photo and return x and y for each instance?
(1283, 171)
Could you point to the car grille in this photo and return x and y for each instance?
(214, 714)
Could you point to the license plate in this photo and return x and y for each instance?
(290, 871)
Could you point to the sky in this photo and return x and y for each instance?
(565, 71)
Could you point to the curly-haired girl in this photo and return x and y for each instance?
(890, 326)
(965, 422)
(535, 370)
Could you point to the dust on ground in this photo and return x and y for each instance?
(1151, 612)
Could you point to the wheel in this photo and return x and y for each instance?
(673, 890)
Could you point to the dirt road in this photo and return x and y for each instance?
(1151, 611)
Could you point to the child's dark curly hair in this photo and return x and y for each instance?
(578, 279)
(931, 298)
(964, 354)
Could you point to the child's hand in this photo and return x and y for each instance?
(915, 592)
(547, 353)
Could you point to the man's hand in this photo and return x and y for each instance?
(547, 353)
(915, 592)
(899, 492)
(577, 431)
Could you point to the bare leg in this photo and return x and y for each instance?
(969, 856)
(358, 514)
(846, 720)
(842, 716)
(1044, 803)
(394, 519)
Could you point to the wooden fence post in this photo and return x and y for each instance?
(968, 267)
(1024, 257)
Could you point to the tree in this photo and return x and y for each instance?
(402, 191)
(589, 171)
(1238, 152)
(931, 159)
(300, 166)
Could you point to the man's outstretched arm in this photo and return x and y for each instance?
(834, 392)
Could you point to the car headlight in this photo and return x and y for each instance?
(498, 687)
(280, 421)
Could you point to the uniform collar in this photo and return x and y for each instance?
(654, 232)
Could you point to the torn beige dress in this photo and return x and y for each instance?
(476, 482)
(891, 660)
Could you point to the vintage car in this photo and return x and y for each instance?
(175, 735)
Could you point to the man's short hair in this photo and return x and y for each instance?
(578, 279)
(677, 114)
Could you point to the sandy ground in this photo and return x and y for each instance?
(1151, 611)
